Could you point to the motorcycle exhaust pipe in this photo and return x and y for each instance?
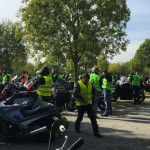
(39, 130)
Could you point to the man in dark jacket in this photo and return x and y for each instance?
(83, 94)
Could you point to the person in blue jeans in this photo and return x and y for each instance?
(107, 85)
(95, 80)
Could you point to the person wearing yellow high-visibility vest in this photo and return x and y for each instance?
(83, 92)
(136, 81)
(96, 81)
(6, 78)
(107, 85)
(44, 84)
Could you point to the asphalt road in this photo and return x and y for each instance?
(127, 129)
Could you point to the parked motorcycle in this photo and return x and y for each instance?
(101, 103)
(147, 87)
(25, 115)
(13, 88)
(126, 92)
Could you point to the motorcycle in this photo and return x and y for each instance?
(13, 88)
(147, 87)
(61, 93)
(25, 115)
(101, 103)
(126, 92)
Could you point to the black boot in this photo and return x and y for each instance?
(98, 135)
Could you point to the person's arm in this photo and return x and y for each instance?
(39, 81)
(131, 79)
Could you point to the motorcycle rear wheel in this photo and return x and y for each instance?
(141, 97)
(114, 97)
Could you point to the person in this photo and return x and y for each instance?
(1, 77)
(107, 85)
(6, 78)
(96, 81)
(71, 81)
(43, 84)
(136, 82)
(83, 94)
(23, 77)
(55, 76)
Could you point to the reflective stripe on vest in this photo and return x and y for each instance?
(106, 84)
(85, 92)
(45, 90)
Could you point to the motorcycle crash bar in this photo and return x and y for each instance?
(39, 130)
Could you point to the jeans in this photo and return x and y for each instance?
(96, 101)
(107, 100)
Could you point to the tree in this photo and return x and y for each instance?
(119, 68)
(75, 28)
(143, 54)
(136, 66)
(102, 63)
(12, 50)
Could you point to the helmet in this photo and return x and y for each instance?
(95, 69)
(45, 71)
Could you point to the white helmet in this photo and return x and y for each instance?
(95, 69)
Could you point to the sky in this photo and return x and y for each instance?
(138, 28)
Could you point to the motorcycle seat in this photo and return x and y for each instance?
(39, 110)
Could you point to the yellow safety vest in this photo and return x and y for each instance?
(85, 92)
(107, 85)
(45, 90)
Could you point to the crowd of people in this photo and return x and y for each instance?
(86, 91)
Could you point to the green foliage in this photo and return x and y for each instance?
(102, 63)
(12, 50)
(143, 54)
(73, 30)
(136, 65)
(119, 68)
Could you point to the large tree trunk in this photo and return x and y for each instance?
(76, 72)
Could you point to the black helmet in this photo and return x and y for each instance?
(45, 71)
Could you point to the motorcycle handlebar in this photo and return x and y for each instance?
(77, 144)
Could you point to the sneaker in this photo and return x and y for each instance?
(105, 115)
(98, 135)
